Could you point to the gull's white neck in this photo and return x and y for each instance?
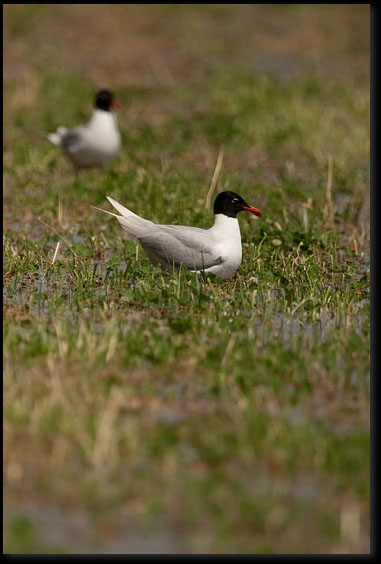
(100, 119)
(225, 237)
(228, 226)
(226, 230)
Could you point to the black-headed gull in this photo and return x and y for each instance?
(217, 250)
(95, 143)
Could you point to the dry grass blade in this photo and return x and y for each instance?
(299, 305)
(214, 179)
(355, 247)
(328, 205)
(105, 447)
(350, 519)
(60, 212)
(67, 243)
(228, 351)
(56, 252)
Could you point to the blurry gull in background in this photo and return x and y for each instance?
(97, 142)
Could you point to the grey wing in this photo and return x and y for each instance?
(175, 245)
(72, 140)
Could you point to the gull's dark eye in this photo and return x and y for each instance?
(235, 200)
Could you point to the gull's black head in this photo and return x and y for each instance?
(230, 203)
(104, 100)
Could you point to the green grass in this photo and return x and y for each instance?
(232, 413)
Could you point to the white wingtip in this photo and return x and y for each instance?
(113, 202)
(121, 209)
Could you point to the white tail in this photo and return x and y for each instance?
(56, 138)
(130, 221)
(105, 211)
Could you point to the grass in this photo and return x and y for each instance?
(208, 415)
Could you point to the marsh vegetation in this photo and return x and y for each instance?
(155, 412)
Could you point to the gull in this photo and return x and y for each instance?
(217, 250)
(95, 143)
